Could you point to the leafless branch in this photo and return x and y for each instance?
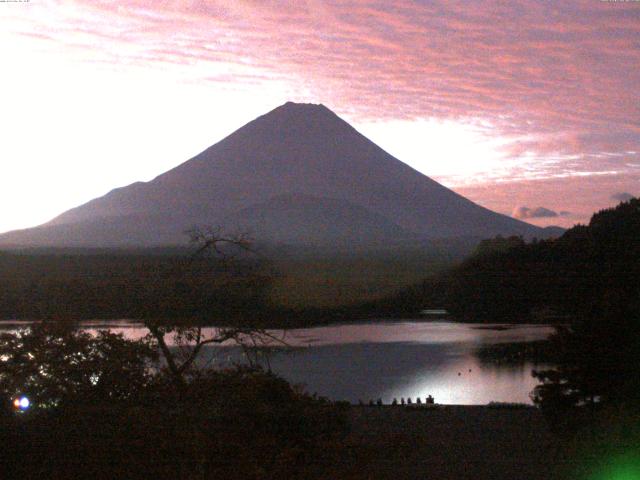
(211, 239)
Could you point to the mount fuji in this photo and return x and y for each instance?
(298, 175)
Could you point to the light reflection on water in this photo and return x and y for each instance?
(392, 359)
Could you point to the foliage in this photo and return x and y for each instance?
(334, 281)
(588, 280)
(189, 338)
(102, 413)
(596, 367)
(246, 406)
(498, 244)
(596, 356)
(236, 424)
(174, 285)
(585, 269)
(136, 285)
(54, 364)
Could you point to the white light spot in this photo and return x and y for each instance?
(24, 403)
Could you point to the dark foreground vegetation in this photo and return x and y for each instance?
(104, 407)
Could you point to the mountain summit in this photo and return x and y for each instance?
(297, 175)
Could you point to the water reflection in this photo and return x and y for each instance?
(388, 359)
(467, 381)
(367, 371)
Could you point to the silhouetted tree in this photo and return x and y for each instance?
(571, 276)
(53, 363)
(181, 346)
(188, 339)
(597, 367)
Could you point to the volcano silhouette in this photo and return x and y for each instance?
(297, 175)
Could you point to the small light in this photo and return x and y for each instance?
(21, 403)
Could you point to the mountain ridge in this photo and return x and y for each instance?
(295, 149)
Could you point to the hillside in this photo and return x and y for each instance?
(591, 268)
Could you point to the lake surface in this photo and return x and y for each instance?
(395, 359)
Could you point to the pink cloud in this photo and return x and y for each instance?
(560, 76)
(580, 195)
(523, 212)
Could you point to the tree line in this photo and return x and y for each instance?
(555, 280)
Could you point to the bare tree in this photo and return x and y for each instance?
(212, 240)
(182, 345)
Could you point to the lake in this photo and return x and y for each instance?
(395, 359)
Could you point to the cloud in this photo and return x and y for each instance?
(581, 195)
(539, 212)
(558, 79)
(621, 197)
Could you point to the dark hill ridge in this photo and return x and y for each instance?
(257, 177)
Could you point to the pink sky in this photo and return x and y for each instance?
(517, 105)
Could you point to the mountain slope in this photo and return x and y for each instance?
(318, 222)
(297, 150)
